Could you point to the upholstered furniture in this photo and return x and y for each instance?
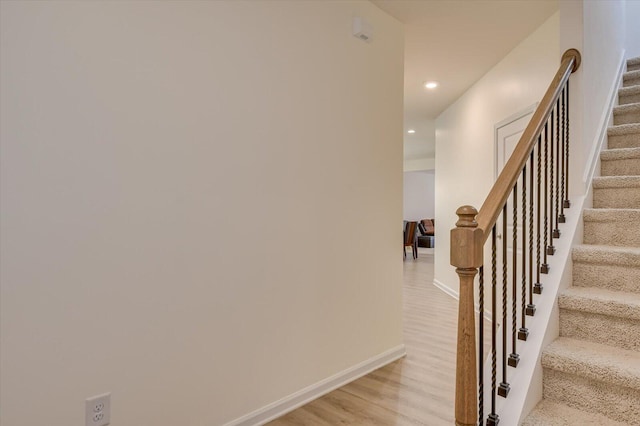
(426, 233)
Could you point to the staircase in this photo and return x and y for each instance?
(592, 371)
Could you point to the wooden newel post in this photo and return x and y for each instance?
(466, 256)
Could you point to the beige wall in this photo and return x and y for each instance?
(465, 155)
(201, 205)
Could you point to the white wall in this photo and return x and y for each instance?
(632, 28)
(188, 193)
(465, 158)
(422, 164)
(603, 47)
(419, 147)
(419, 195)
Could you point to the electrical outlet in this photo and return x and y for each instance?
(97, 410)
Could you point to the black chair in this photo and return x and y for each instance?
(410, 239)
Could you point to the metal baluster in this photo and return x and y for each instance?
(492, 418)
(550, 248)
(562, 218)
(481, 347)
(556, 231)
(523, 332)
(567, 203)
(537, 288)
(514, 358)
(544, 268)
(531, 308)
(503, 389)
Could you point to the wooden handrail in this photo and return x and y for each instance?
(473, 229)
(492, 206)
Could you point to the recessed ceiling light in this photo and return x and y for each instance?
(411, 131)
(431, 84)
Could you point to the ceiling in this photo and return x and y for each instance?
(454, 42)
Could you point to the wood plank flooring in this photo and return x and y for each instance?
(415, 390)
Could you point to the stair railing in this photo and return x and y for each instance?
(534, 185)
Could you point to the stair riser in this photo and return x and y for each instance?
(633, 67)
(613, 331)
(629, 99)
(616, 198)
(624, 141)
(616, 402)
(631, 81)
(626, 117)
(617, 233)
(611, 277)
(622, 167)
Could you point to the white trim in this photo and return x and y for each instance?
(603, 125)
(445, 288)
(308, 394)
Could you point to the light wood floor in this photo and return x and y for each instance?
(415, 390)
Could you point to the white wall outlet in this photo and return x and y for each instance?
(97, 410)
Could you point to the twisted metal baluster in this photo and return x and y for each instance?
(503, 389)
(556, 230)
(537, 288)
(523, 332)
(481, 346)
(567, 203)
(531, 308)
(550, 248)
(514, 358)
(562, 218)
(493, 419)
(544, 268)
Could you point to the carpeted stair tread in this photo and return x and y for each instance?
(620, 154)
(621, 109)
(549, 413)
(614, 215)
(619, 192)
(606, 255)
(624, 135)
(621, 161)
(633, 64)
(629, 77)
(615, 268)
(601, 301)
(628, 113)
(612, 227)
(594, 361)
(629, 94)
(602, 182)
(624, 129)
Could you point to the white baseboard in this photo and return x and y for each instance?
(448, 290)
(451, 292)
(308, 394)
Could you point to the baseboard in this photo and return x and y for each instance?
(448, 290)
(308, 394)
(451, 292)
